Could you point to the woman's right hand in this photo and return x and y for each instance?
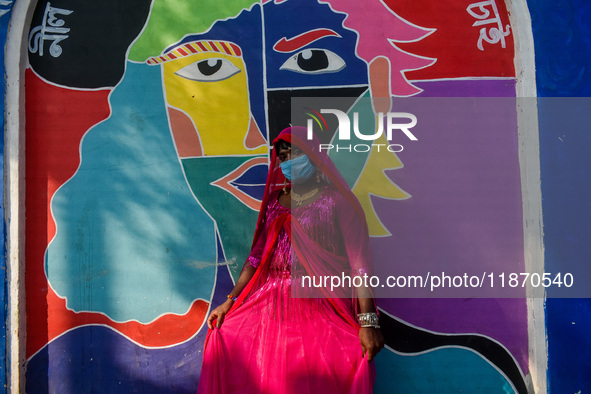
(219, 313)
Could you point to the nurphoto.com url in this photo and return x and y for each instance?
(433, 282)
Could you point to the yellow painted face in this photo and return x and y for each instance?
(212, 89)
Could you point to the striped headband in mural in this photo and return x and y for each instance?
(194, 47)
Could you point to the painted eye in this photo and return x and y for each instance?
(314, 61)
(209, 70)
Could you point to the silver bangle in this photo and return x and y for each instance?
(367, 320)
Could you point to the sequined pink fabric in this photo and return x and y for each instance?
(319, 220)
(322, 221)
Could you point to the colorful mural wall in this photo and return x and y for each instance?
(147, 138)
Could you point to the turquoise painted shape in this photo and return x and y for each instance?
(132, 241)
(441, 371)
(235, 235)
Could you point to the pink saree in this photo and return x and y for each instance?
(277, 338)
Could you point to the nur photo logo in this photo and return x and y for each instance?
(388, 124)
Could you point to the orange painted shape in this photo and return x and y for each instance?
(379, 83)
(254, 137)
(185, 134)
(167, 330)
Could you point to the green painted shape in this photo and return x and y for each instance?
(235, 221)
(171, 20)
(350, 164)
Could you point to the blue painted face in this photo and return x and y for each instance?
(317, 51)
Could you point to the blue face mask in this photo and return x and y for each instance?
(298, 170)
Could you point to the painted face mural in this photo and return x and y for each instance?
(149, 211)
(199, 85)
(216, 101)
(216, 136)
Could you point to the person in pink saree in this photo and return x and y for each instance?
(277, 332)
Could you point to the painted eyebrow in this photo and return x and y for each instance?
(301, 40)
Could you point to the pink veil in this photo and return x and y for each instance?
(314, 259)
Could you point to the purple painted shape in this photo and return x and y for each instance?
(97, 359)
(465, 213)
(504, 320)
(467, 88)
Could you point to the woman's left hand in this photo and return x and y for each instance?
(372, 341)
